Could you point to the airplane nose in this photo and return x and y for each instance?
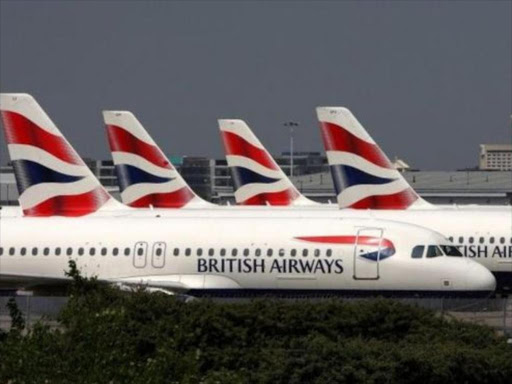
(480, 279)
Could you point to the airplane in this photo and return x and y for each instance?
(67, 214)
(257, 178)
(365, 181)
(146, 176)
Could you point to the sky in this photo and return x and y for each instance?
(430, 81)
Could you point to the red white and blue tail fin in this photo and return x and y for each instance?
(146, 176)
(363, 176)
(257, 178)
(52, 179)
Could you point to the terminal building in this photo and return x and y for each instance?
(211, 178)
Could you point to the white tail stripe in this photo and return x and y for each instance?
(127, 121)
(344, 118)
(251, 190)
(40, 156)
(240, 128)
(356, 193)
(39, 193)
(25, 105)
(136, 191)
(126, 158)
(356, 161)
(245, 162)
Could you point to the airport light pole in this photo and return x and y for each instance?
(291, 125)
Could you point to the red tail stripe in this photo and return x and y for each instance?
(400, 200)
(281, 198)
(363, 240)
(176, 199)
(70, 205)
(337, 138)
(20, 130)
(120, 140)
(236, 145)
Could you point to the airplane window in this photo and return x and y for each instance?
(199, 252)
(491, 240)
(246, 252)
(433, 251)
(11, 251)
(317, 252)
(211, 252)
(176, 252)
(23, 251)
(188, 251)
(103, 251)
(80, 251)
(1, 251)
(450, 250)
(258, 252)
(223, 252)
(69, 251)
(293, 253)
(234, 252)
(511, 240)
(502, 240)
(270, 252)
(158, 251)
(281, 252)
(417, 252)
(34, 251)
(461, 240)
(481, 240)
(471, 240)
(115, 251)
(305, 252)
(450, 238)
(328, 253)
(92, 251)
(140, 251)
(127, 251)
(57, 251)
(46, 251)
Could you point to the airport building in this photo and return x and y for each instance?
(211, 179)
(496, 157)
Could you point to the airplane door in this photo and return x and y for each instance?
(158, 255)
(367, 253)
(139, 254)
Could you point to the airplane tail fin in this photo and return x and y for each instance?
(146, 176)
(363, 176)
(257, 178)
(52, 179)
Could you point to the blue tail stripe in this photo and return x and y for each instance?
(345, 176)
(29, 173)
(129, 175)
(243, 176)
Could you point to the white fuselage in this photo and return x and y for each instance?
(196, 253)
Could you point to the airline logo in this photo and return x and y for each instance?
(52, 180)
(146, 177)
(363, 176)
(384, 248)
(257, 178)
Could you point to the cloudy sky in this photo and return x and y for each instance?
(429, 80)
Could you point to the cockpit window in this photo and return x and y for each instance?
(433, 251)
(450, 250)
(417, 252)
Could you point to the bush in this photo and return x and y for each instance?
(110, 336)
